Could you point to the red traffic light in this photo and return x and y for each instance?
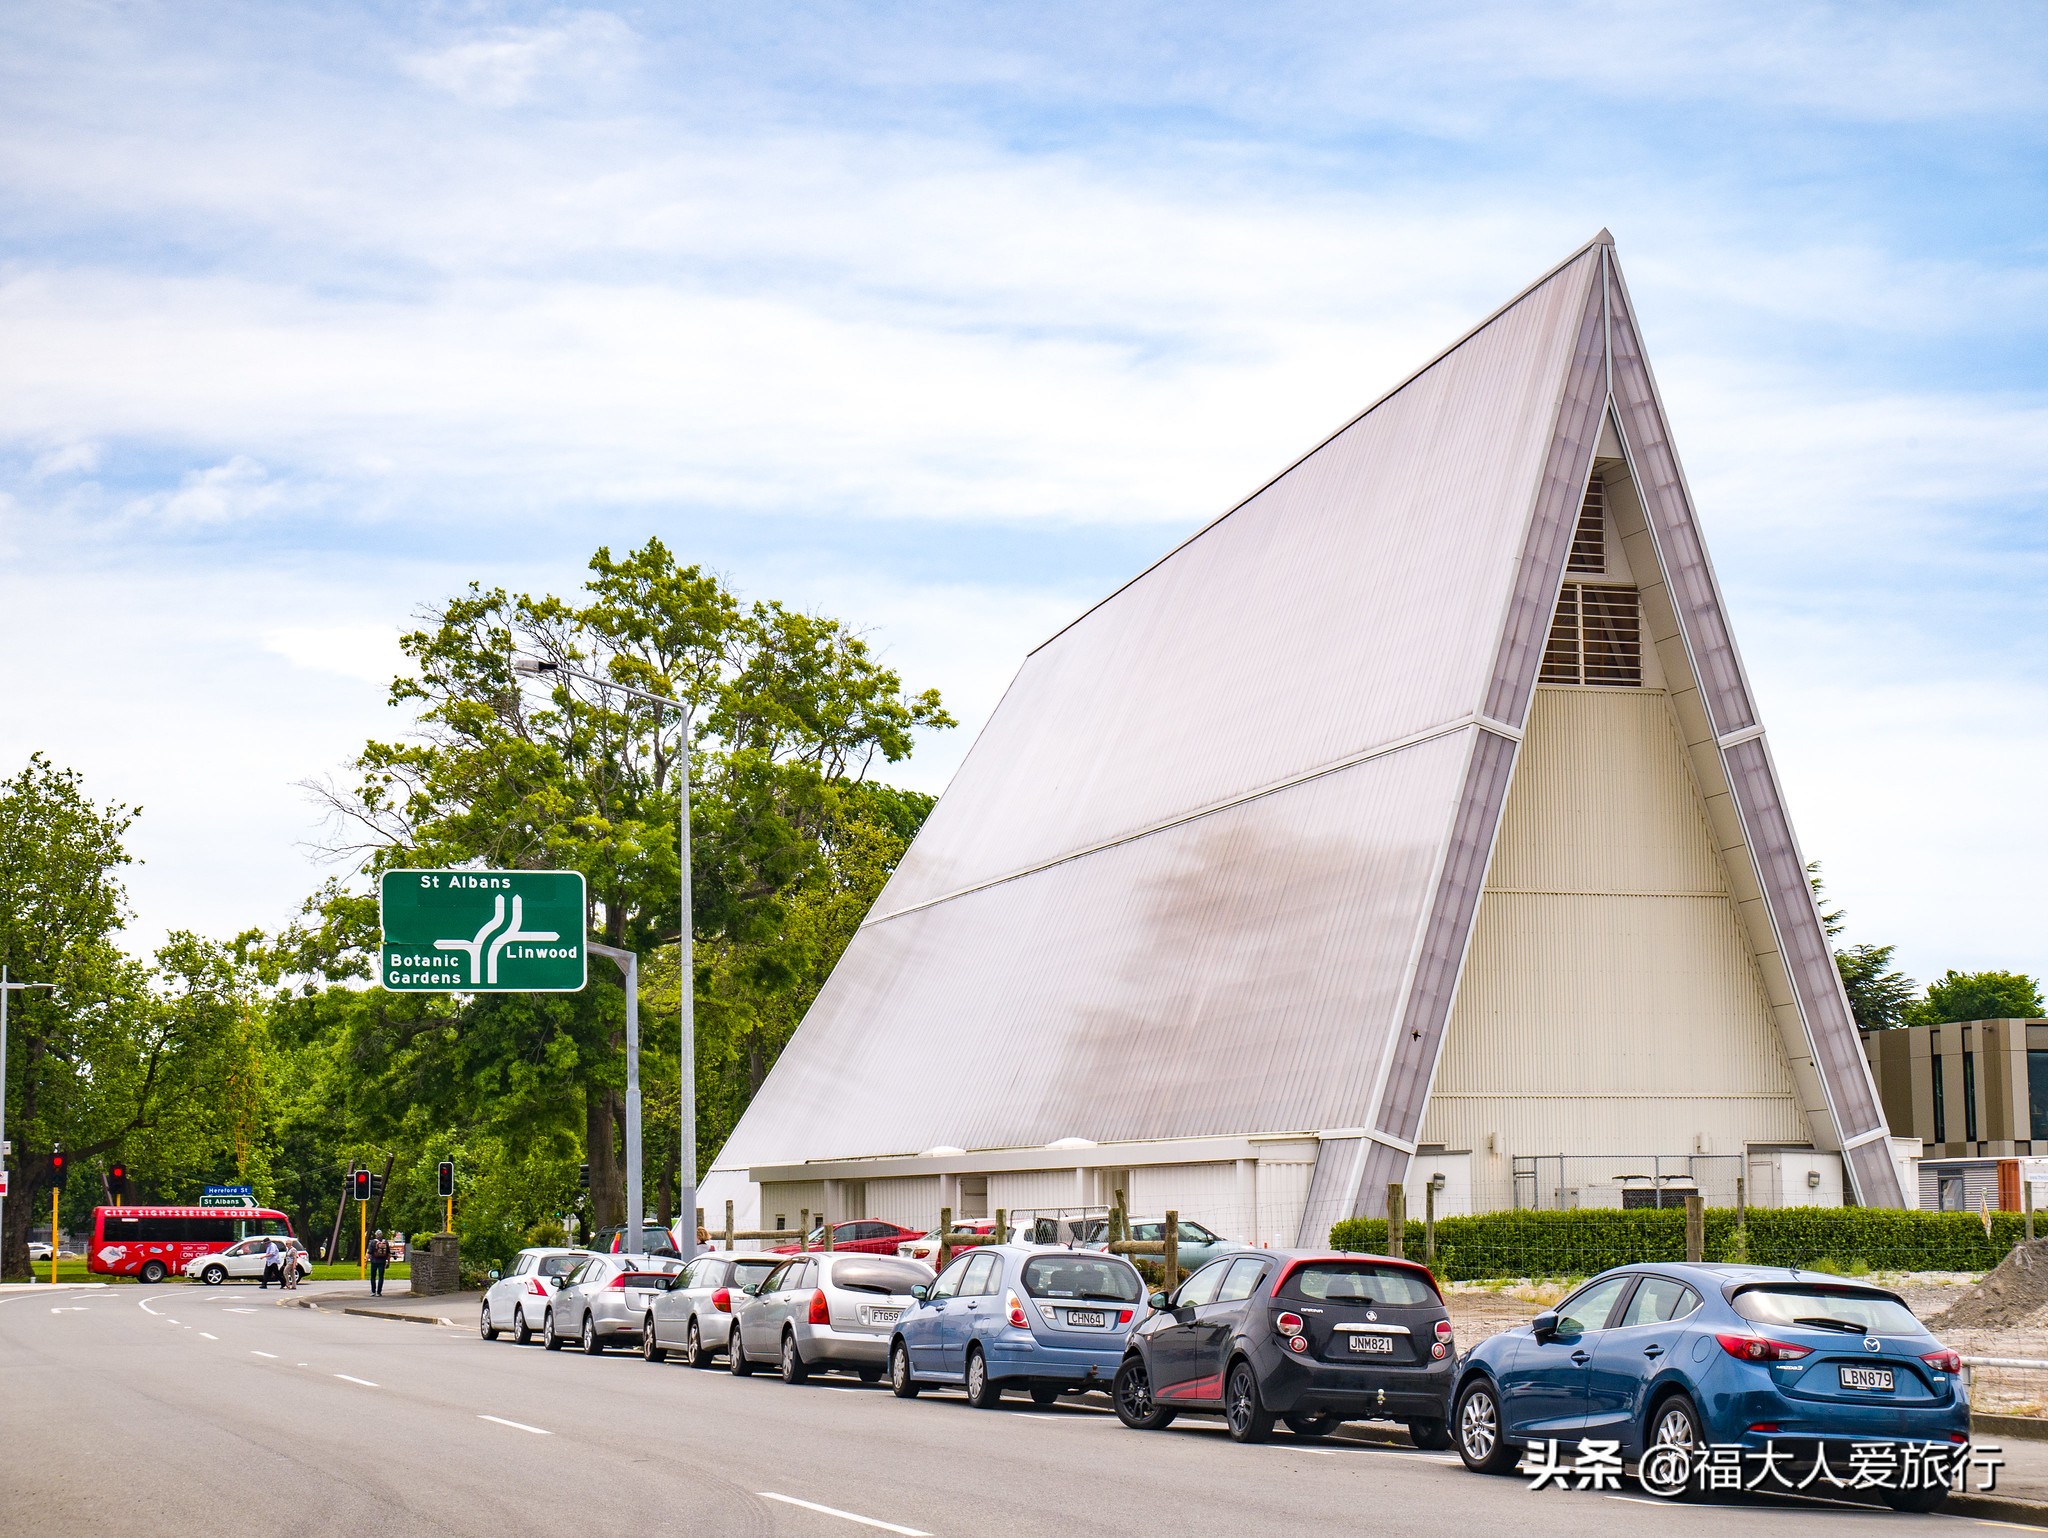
(445, 1178)
(118, 1172)
(59, 1168)
(362, 1185)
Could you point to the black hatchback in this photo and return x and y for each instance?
(1297, 1336)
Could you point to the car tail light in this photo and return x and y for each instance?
(722, 1300)
(1765, 1426)
(1943, 1361)
(1015, 1310)
(1288, 1324)
(1439, 1350)
(1443, 1329)
(820, 1312)
(1123, 1316)
(539, 1289)
(617, 1283)
(1754, 1348)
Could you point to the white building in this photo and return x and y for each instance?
(1412, 820)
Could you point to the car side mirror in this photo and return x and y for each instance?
(492, 1273)
(1161, 1301)
(920, 1292)
(1544, 1325)
(752, 1289)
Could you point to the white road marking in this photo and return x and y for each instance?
(305, 1364)
(1321, 1452)
(365, 1382)
(70, 1310)
(834, 1511)
(515, 1425)
(143, 1304)
(241, 1311)
(204, 1336)
(271, 1354)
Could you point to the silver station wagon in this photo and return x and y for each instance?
(605, 1299)
(695, 1316)
(825, 1310)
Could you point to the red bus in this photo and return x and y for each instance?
(155, 1242)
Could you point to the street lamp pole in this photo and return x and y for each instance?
(7, 988)
(686, 976)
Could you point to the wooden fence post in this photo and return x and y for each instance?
(825, 1224)
(1120, 1217)
(803, 1229)
(2027, 1203)
(1002, 1229)
(728, 1227)
(1397, 1219)
(945, 1234)
(1429, 1224)
(1171, 1235)
(1695, 1228)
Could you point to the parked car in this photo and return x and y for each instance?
(1014, 1316)
(925, 1247)
(824, 1311)
(654, 1240)
(695, 1316)
(1699, 1355)
(862, 1236)
(518, 1299)
(603, 1300)
(37, 1250)
(1303, 1337)
(243, 1261)
(1198, 1244)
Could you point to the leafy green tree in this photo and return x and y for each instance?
(1977, 996)
(788, 714)
(1877, 995)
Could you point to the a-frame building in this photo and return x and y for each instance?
(1416, 812)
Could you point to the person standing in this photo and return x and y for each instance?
(380, 1257)
(270, 1266)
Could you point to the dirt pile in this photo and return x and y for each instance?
(2009, 1295)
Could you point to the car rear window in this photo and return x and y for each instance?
(1360, 1282)
(1069, 1276)
(747, 1272)
(879, 1275)
(560, 1265)
(1827, 1308)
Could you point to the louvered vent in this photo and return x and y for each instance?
(1596, 638)
(1589, 540)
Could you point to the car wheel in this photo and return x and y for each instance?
(1248, 1418)
(650, 1347)
(793, 1368)
(522, 1334)
(1045, 1393)
(213, 1276)
(693, 1348)
(736, 1356)
(983, 1392)
(1131, 1392)
(901, 1384)
(593, 1343)
(1676, 1423)
(548, 1338)
(870, 1374)
(1430, 1433)
(1482, 1442)
(1312, 1428)
(153, 1271)
(484, 1327)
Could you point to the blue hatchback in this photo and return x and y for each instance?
(1051, 1321)
(1700, 1356)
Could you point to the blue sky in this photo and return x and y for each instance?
(946, 318)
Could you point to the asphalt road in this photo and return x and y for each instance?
(133, 1410)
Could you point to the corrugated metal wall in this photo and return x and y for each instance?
(912, 1200)
(1610, 1002)
(787, 1201)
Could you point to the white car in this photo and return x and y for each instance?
(37, 1250)
(243, 1262)
(518, 1300)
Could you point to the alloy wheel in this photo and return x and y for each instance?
(900, 1381)
(1478, 1426)
(1248, 1420)
(1134, 1392)
(650, 1344)
(591, 1344)
(693, 1351)
(484, 1327)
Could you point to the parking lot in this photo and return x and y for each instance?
(126, 1408)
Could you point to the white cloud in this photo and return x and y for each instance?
(225, 493)
(369, 653)
(510, 65)
(77, 458)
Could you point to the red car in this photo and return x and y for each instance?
(864, 1236)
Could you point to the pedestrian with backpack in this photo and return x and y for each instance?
(380, 1257)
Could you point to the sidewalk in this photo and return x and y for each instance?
(456, 1309)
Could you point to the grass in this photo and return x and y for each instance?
(347, 1271)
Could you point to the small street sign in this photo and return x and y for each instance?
(227, 1201)
(230, 1190)
(3, 1182)
(483, 931)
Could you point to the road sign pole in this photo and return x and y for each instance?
(362, 1241)
(629, 964)
(55, 1193)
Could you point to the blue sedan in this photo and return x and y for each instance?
(1771, 1362)
(1014, 1316)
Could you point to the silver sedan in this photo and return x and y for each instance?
(695, 1315)
(605, 1299)
(825, 1310)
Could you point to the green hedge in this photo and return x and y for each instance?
(1515, 1244)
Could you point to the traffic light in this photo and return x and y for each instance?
(60, 1168)
(583, 1178)
(117, 1180)
(360, 1180)
(376, 1185)
(445, 1184)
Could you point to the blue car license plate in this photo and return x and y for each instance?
(1878, 1379)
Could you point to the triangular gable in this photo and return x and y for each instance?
(1211, 867)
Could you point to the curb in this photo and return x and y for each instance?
(2027, 1428)
(375, 1313)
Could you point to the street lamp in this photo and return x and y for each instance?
(6, 1148)
(533, 667)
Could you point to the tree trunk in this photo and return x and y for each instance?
(668, 1196)
(26, 1203)
(600, 1140)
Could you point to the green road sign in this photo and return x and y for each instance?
(482, 931)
